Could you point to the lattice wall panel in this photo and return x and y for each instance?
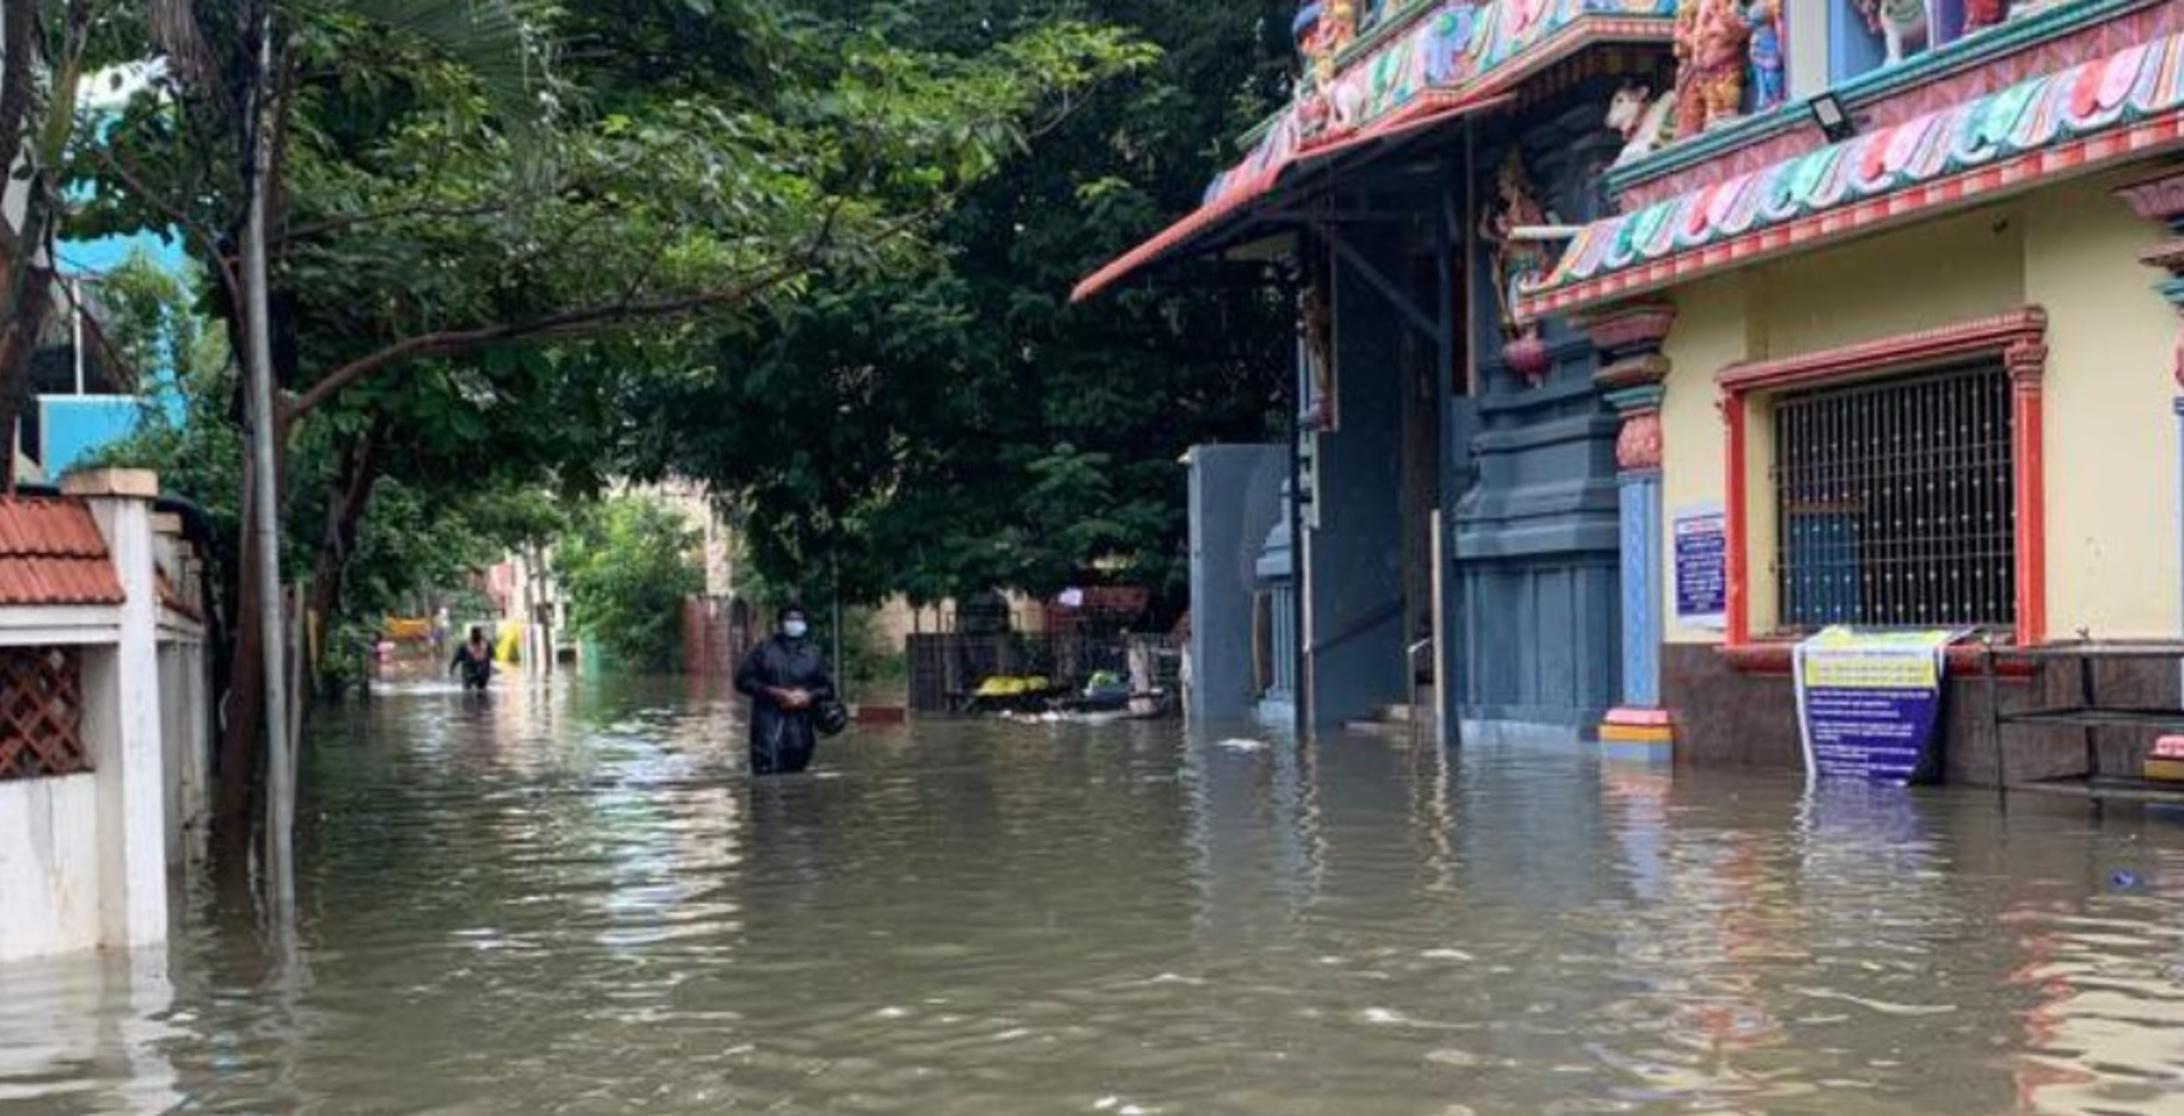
(41, 713)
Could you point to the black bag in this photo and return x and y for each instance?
(830, 717)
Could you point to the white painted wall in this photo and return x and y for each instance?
(183, 738)
(121, 722)
(84, 858)
(49, 866)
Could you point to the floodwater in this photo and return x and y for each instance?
(572, 902)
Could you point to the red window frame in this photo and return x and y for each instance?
(2018, 338)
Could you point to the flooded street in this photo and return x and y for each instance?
(572, 902)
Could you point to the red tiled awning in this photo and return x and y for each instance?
(51, 553)
(1240, 201)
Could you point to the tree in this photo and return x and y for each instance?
(627, 569)
(467, 227)
(148, 324)
(45, 49)
(959, 427)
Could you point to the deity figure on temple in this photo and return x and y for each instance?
(1342, 21)
(1323, 28)
(1688, 117)
(1518, 16)
(1450, 34)
(1319, 350)
(1984, 13)
(1764, 17)
(1517, 261)
(1722, 50)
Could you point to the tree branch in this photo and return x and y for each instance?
(223, 268)
(1070, 105)
(454, 341)
(18, 75)
(114, 356)
(451, 342)
(343, 223)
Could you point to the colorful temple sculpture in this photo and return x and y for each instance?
(1641, 338)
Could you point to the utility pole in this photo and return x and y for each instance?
(280, 776)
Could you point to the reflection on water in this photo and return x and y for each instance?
(571, 902)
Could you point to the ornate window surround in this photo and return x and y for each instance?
(2018, 338)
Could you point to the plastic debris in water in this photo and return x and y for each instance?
(1240, 744)
(2123, 879)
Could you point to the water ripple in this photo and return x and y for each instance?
(573, 902)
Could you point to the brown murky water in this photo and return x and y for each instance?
(572, 903)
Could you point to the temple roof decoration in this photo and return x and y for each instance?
(1457, 49)
(2068, 121)
(1458, 55)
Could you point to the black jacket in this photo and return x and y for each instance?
(476, 668)
(790, 664)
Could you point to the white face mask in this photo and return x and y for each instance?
(794, 629)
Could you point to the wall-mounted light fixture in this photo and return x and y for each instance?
(1827, 113)
(1546, 232)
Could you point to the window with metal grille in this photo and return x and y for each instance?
(41, 713)
(1895, 504)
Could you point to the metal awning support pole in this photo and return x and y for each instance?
(1300, 684)
(1446, 728)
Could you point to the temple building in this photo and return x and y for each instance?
(1642, 337)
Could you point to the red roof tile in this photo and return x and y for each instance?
(48, 528)
(51, 553)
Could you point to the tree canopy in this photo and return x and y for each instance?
(498, 223)
(954, 425)
(814, 254)
(628, 565)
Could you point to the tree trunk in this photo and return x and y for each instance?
(19, 332)
(244, 706)
(243, 749)
(344, 517)
(26, 300)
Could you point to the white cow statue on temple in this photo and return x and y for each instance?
(1641, 118)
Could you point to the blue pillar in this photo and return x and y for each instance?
(1632, 379)
(1640, 493)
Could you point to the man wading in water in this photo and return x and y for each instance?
(786, 679)
(474, 660)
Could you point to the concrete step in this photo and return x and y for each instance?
(1396, 711)
(1396, 720)
(1393, 730)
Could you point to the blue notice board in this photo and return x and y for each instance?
(1869, 703)
(1701, 557)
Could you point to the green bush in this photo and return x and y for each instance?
(870, 666)
(627, 567)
